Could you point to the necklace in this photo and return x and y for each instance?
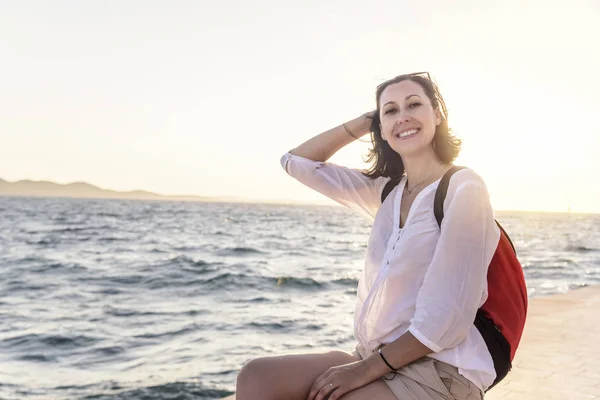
(409, 191)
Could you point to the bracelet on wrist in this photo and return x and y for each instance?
(349, 132)
(386, 361)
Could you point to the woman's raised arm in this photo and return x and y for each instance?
(326, 144)
(349, 187)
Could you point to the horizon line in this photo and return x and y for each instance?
(219, 199)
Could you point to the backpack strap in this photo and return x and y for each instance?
(506, 234)
(440, 194)
(389, 186)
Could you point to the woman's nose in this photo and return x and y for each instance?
(404, 117)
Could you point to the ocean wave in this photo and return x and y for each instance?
(49, 267)
(580, 249)
(259, 299)
(229, 279)
(54, 267)
(298, 253)
(237, 251)
(169, 333)
(41, 358)
(47, 340)
(110, 239)
(122, 250)
(544, 268)
(128, 312)
(309, 282)
(109, 350)
(346, 282)
(14, 287)
(185, 261)
(127, 279)
(46, 241)
(285, 325)
(271, 326)
(105, 214)
(32, 259)
(106, 291)
(171, 391)
(193, 313)
(290, 281)
(73, 229)
(131, 312)
(242, 280)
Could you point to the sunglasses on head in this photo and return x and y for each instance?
(424, 74)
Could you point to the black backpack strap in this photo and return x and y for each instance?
(389, 186)
(506, 234)
(440, 194)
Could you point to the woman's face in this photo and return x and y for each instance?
(408, 119)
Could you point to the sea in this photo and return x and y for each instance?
(144, 300)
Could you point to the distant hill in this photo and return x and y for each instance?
(85, 190)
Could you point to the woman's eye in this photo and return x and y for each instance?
(416, 104)
(390, 111)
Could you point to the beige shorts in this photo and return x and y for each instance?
(430, 379)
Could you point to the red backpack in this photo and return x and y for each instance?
(501, 319)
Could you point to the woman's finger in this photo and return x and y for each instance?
(314, 389)
(337, 393)
(325, 391)
(317, 384)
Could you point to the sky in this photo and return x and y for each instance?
(204, 97)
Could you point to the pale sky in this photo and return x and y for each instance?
(203, 97)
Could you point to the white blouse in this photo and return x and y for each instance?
(420, 279)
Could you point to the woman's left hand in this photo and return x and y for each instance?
(337, 381)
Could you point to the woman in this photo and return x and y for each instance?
(421, 285)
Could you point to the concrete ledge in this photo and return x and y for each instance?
(559, 356)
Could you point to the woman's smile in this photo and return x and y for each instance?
(407, 133)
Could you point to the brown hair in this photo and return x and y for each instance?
(385, 161)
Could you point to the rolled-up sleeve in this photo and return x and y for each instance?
(349, 187)
(455, 284)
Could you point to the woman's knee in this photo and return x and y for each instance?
(285, 377)
(251, 380)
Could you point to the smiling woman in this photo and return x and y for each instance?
(423, 281)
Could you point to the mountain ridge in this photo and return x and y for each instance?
(79, 189)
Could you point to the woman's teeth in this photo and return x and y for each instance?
(408, 133)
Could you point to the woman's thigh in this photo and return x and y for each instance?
(286, 377)
(376, 390)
